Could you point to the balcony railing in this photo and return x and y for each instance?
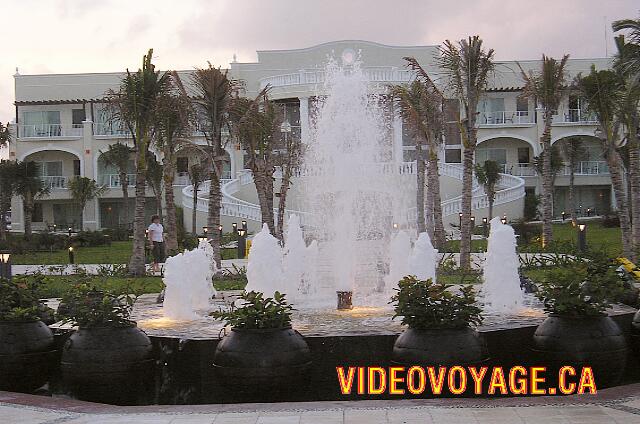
(113, 180)
(49, 131)
(592, 167)
(516, 117)
(576, 116)
(518, 169)
(109, 129)
(55, 181)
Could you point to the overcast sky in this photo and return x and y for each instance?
(58, 36)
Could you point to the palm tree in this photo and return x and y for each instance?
(213, 95)
(7, 189)
(154, 177)
(197, 175)
(118, 155)
(602, 89)
(488, 174)
(172, 128)
(29, 186)
(84, 190)
(134, 105)
(629, 115)
(421, 107)
(256, 125)
(7, 186)
(547, 87)
(573, 149)
(467, 66)
(630, 63)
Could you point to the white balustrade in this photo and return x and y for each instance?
(55, 181)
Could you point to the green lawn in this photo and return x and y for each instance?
(118, 252)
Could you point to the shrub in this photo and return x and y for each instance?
(581, 288)
(258, 312)
(19, 300)
(425, 305)
(611, 221)
(120, 233)
(531, 202)
(87, 306)
(526, 232)
(91, 239)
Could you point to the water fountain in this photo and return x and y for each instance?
(501, 287)
(400, 250)
(423, 258)
(264, 268)
(187, 277)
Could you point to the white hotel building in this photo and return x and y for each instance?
(60, 124)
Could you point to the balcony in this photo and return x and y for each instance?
(593, 167)
(506, 118)
(55, 182)
(518, 169)
(575, 116)
(110, 130)
(113, 180)
(49, 131)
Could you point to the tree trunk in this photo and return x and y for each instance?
(124, 185)
(27, 210)
(615, 169)
(429, 203)
(263, 179)
(158, 197)
(282, 202)
(194, 214)
(467, 191)
(547, 182)
(434, 186)
(491, 197)
(420, 185)
(213, 214)
(169, 199)
(634, 179)
(137, 266)
(572, 201)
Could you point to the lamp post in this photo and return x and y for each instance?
(582, 238)
(242, 242)
(484, 226)
(72, 256)
(460, 219)
(244, 225)
(234, 226)
(5, 265)
(473, 222)
(563, 214)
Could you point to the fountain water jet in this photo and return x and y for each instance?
(188, 280)
(501, 286)
(399, 252)
(423, 259)
(264, 268)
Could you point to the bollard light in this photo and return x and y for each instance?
(205, 230)
(588, 211)
(460, 219)
(244, 225)
(504, 219)
(473, 222)
(242, 243)
(72, 258)
(235, 227)
(220, 230)
(484, 225)
(395, 225)
(582, 238)
(563, 215)
(5, 264)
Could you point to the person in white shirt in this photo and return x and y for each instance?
(156, 238)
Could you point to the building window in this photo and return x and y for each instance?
(453, 155)
(78, 115)
(41, 124)
(524, 155)
(522, 106)
(76, 167)
(451, 109)
(36, 214)
(496, 155)
(50, 169)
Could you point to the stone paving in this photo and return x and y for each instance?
(619, 405)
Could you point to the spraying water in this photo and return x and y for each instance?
(188, 280)
(264, 268)
(400, 249)
(294, 259)
(501, 287)
(423, 259)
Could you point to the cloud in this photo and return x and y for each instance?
(111, 35)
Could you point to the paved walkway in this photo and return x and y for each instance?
(619, 405)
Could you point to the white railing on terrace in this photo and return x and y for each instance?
(49, 131)
(113, 180)
(516, 117)
(594, 167)
(374, 75)
(55, 181)
(519, 169)
(111, 130)
(576, 116)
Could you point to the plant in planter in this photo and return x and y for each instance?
(578, 332)
(108, 359)
(262, 357)
(440, 322)
(27, 349)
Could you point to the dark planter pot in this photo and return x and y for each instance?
(262, 364)
(596, 342)
(27, 355)
(439, 347)
(109, 365)
(635, 334)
